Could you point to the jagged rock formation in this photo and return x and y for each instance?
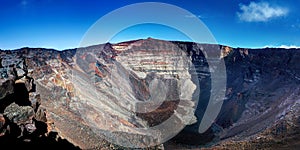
(94, 95)
(22, 121)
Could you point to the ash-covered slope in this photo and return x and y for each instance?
(263, 98)
(98, 95)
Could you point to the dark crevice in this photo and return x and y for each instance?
(6, 101)
(21, 95)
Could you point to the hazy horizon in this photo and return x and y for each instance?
(116, 42)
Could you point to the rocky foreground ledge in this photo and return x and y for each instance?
(47, 97)
(23, 121)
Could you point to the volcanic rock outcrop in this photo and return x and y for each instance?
(141, 93)
(23, 121)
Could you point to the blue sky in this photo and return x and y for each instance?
(61, 24)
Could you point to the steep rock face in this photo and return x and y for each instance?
(128, 86)
(263, 85)
(262, 93)
(94, 95)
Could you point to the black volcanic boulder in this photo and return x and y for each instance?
(6, 87)
(7, 82)
(19, 114)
